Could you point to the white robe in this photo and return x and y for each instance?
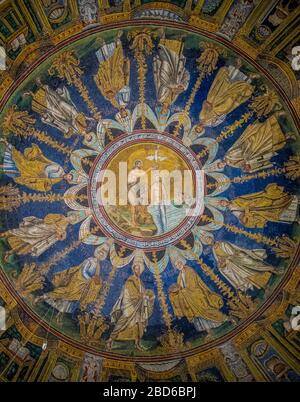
(241, 265)
(61, 111)
(35, 232)
(131, 310)
(169, 72)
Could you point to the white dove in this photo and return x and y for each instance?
(156, 157)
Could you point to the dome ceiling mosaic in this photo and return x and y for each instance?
(109, 271)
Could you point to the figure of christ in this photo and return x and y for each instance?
(138, 190)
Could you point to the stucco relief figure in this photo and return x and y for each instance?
(32, 169)
(88, 10)
(170, 75)
(77, 286)
(256, 146)
(271, 205)
(113, 74)
(34, 235)
(230, 88)
(191, 298)
(57, 109)
(91, 368)
(236, 17)
(132, 310)
(243, 268)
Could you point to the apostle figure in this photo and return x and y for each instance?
(57, 109)
(229, 90)
(131, 312)
(244, 269)
(256, 146)
(191, 298)
(271, 205)
(34, 235)
(170, 75)
(79, 285)
(32, 169)
(113, 74)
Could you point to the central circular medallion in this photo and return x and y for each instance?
(146, 190)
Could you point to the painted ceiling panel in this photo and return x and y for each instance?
(109, 271)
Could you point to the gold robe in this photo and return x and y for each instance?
(257, 145)
(71, 286)
(259, 208)
(32, 169)
(113, 74)
(39, 101)
(132, 310)
(243, 268)
(225, 96)
(195, 299)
